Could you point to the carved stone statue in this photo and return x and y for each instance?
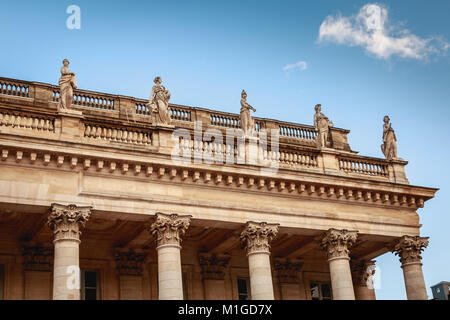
(247, 123)
(67, 84)
(389, 146)
(159, 103)
(322, 125)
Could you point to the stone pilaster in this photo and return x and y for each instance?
(289, 278)
(337, 244)
(168, 230)
(362, 274)
(129, 265)
(214, 269)
(37, 267)
(409, 249)
(256, 238)
(37, 257)
(66, 222)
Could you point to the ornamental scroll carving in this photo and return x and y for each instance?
(213, 266)
(409, 248)
(287, 270)
(257, 236)
(66, 221)
(363, 272)
(169, 228)
(337, 242)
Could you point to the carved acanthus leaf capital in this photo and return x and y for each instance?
(169, 228)
(409, 248)
(256, 237)
(287, 269)
(129, 262)
(66, 221)
(337, 242)
(213, 266)
(363, 272)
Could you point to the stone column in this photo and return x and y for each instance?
(37, 264)
(66, 222)
(129, 268)
(362, 274)
(213, 272)
(291, 284)
(409, 249)
(337, 244)
(168, 230)
(256, 238)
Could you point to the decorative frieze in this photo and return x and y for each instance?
(213, 266)
(66, 221)
(287, 269)
(409, 248)
(129, 262)
(169, 228)
(363, 272)
(256, 237)
(337, 242)
(37, 257)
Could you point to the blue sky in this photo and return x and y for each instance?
(208, 51)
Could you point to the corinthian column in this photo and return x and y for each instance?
(337, 244)
(409, 249)
(66, 222)
(256, 238)
(168, 230)
(362, 273)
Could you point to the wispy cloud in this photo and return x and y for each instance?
(302, 65)
(370, 29)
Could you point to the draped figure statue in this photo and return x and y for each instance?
(389, 146)
(159, 103)
(67, 83)
(322, 125)
(247, 123)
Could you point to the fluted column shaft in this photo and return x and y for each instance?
(168, 230)
(66, 222)
(256, 238)
(409, 249)
(337, 244)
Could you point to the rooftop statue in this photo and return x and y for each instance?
(159, 103)
(322, 125)
(247, 123)
(67, 84)
(389, 146)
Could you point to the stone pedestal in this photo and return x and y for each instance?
(256, 238)
(66, 221)
(69, 124)
(409, 249)
(168, 230)
(337, 244)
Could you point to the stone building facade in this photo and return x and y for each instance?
(94, 206)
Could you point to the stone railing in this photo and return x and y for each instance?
(14, 88)
(25, 121)
(364, 166)
(88, 99)
(298, 131)
(117, 134)
(226, 120)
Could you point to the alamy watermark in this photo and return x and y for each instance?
(74, 20)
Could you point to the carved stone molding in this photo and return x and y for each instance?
(409, 248)
(287, 269)
(213, 266)
(66, 221)
(257, 236)
(363, 272)
(337, 242)
(129, 262)
(169, 228)
(36, 257)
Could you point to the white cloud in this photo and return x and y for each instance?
(302, 65)
(369, 29)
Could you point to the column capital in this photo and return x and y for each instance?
(363, 272)
(409, 248)
(256, 236)
(129, 262)
(169, 228)
(66, 220)
(287, 269)
(213, 266)
(337, 242)
(37, 257)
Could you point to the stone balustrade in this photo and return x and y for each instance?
(12, 87)
(108, 133)
(298, 132)
(23, 121)
(364, 166)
